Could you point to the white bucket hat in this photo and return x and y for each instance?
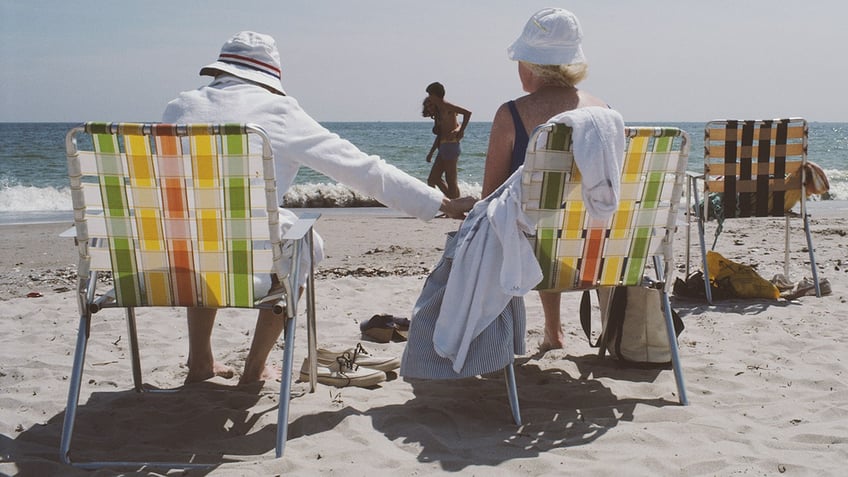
(552, 36)
(251, 56)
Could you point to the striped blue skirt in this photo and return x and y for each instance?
(491, 351)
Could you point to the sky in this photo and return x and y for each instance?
(370, 60)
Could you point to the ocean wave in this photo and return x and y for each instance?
(338, 195)
(838, 180)
(19, 198)
(325, 196)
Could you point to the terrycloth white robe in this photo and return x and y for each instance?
(297, 140)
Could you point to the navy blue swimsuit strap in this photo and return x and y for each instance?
(519, 145)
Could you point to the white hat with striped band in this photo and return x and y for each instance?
(251, 56)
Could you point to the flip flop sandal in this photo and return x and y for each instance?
(782, 283)
(806, 287)
(401, 323)
(401, 329)
(380, 328)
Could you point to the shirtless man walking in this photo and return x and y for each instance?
(448, 134)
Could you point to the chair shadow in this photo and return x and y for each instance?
(187, 425)
(459, 423)
(739, 306)
(455, 423)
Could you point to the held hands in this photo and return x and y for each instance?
(456, 208)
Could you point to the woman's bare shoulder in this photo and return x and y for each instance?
(588, 99)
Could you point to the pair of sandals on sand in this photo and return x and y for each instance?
(384, 328)
(806, 287)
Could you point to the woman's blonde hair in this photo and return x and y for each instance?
(559, 75)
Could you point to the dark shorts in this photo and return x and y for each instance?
(449, 151)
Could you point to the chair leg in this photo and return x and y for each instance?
(134, 354)
(311, 330)
(675, 355)
(813, 267)
(74, 387)
(786, 247)
(285, 387)
(71, 412)
(512, 391)
(707, 291)
(690, 184)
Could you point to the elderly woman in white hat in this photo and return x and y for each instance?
(550, 65)
(247, 87)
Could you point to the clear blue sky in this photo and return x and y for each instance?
(370, 60)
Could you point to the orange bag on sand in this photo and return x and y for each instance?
(743, 279)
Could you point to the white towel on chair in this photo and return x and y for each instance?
(598, 136)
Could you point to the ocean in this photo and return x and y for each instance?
(34, 184)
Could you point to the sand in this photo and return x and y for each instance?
(767, 380)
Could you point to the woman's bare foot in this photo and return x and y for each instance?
(196, 375)
(269, 373)
(552, 342)
(544, 346)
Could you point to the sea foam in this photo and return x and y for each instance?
(338, 195)
(19, 198)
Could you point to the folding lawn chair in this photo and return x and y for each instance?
(578, 253)
(754, 168)
(182, 216)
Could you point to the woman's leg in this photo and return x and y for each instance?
(554, 338)
(451, 178)
(435, 177)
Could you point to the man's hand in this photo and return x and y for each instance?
(456, 208)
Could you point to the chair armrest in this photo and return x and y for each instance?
(695, 175)
(69, 233)
(303, 224)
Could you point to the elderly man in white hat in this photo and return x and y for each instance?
(247, 87)
(551, 63)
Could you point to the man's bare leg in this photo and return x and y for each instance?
(554, 338)
(268, 329)
(201, 362)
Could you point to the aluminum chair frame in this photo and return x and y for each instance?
(617, 252)
(88, 211)
(750, 160)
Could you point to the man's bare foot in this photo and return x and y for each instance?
(269, 373)
(202, 374)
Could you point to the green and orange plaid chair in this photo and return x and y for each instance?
(754, 169)
(577, 252)
(181, 216)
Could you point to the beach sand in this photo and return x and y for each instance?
(767, 380)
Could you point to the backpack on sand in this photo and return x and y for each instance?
(634, 329)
